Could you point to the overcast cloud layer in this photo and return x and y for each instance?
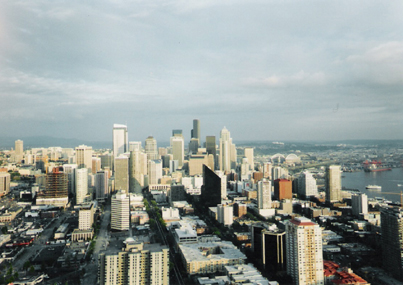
(267, 70)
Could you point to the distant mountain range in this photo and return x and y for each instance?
(47, 141)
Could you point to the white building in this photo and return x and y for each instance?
(120, 211)
(209, 257)
(81, 181)
(248, 153)
(86, 217)
(278, 172)
(307, 186)
(84, 157)
(359, 204)
(225, 214)
(178, 149)
(151, 148)
(264, 194)
(138, 263)
(304, 252)
(4, 183)
(154, 171)
(119, 139)
(227, 157)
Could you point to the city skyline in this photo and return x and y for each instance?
(298, 71)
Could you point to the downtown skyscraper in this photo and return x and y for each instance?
(304, 252)
(120, 140)
(228, 155)
(333, 183)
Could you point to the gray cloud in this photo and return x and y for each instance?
(265, 69)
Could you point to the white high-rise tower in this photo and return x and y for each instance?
(227, 158)
(120, 139)
(81, 181)
(178, 149)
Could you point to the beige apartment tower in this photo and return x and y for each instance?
(137, 263)
(333, 183)
(304, 252)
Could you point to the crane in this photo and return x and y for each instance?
(393, 193)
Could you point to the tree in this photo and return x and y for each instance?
(4, 230)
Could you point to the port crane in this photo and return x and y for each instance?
(394, 193)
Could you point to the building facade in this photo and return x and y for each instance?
(333, 183)
(304, 252)
(120, 211)
(142, 264)
(120, 139)
(392, 241)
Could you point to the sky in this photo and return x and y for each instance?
(266, 70)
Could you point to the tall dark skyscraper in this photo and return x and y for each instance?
(392, 240)
(211, 189)
(195, 133)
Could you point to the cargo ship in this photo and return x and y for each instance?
(375, 166)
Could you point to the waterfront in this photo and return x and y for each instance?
(389, 180)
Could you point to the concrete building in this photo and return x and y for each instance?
(264, 194)
(81, 181)
(228, 156)
(122, 173)
(209, 257)
(278, 172)
(248, 153)
(120, 139)
(84, 157)
(304, 252)
(225, 214)
(135, 146)
(196, 162)
(86, 216)
(120, 211)
(359, 203)
(151, 148)
(4, 183)
(193, 145)
(154, 171)
(195, 134)
(267, 167)
(333, 183)
(392, 241)
(178, 149)
(19, 150)
(137, 263)
(70, 170)
(101, 185)
(136, 174)
(96, 164)
(307, 185)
